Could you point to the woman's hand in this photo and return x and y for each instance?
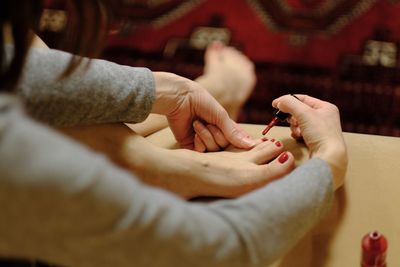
(318, 123)
(208, 138)
(184, 101)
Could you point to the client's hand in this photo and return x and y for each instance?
(183, 101)
(318, 123)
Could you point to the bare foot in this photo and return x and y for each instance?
(229, 76)
(188, 173)
(223, 174)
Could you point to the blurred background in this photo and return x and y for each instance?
(343, 51)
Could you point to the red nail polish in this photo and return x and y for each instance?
(264, 139)
(217, 45)
(278, 144)
(270, 125)
(374, 247)
(273, 140)
(283, 157)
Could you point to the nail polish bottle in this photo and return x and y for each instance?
(278, 115)
(374, 246)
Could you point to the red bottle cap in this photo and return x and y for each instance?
(374, 247)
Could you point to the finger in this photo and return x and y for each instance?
(234, 133)
(205, 135)
(212, 112)
(289, 104)
(296, 132)
(311, 101)
(306, 99)
(292, 121)
(244, 133)
(198, 144)
(184, 135)
(218, 136)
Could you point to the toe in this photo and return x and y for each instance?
(213, 52)
(280, 166)
(265, 151)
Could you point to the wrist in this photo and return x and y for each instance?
(170, 91)
(336, 157)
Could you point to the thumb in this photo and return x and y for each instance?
(291, 105)
(235, 134)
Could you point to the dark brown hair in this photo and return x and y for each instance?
(88, 23)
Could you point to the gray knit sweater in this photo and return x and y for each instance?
(62, 203)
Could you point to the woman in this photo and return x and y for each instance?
(64, 204)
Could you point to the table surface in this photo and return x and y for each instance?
(367, 202)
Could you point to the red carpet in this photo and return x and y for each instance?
(343, 51)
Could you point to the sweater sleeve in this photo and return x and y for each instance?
(65, 204)
(97, 92)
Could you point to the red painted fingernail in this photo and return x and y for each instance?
(264, 139)
(278, 144)
(273, 140)
(283, 157)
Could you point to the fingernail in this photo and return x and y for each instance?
(199, 126)
(264, 139)
(278, 144)
(283, 157)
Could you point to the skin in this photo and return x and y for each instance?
(312, 120)
(191, 174)
(317, 122)
(232, 172)
(229, 76)
(183, 101)
(187, 173)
